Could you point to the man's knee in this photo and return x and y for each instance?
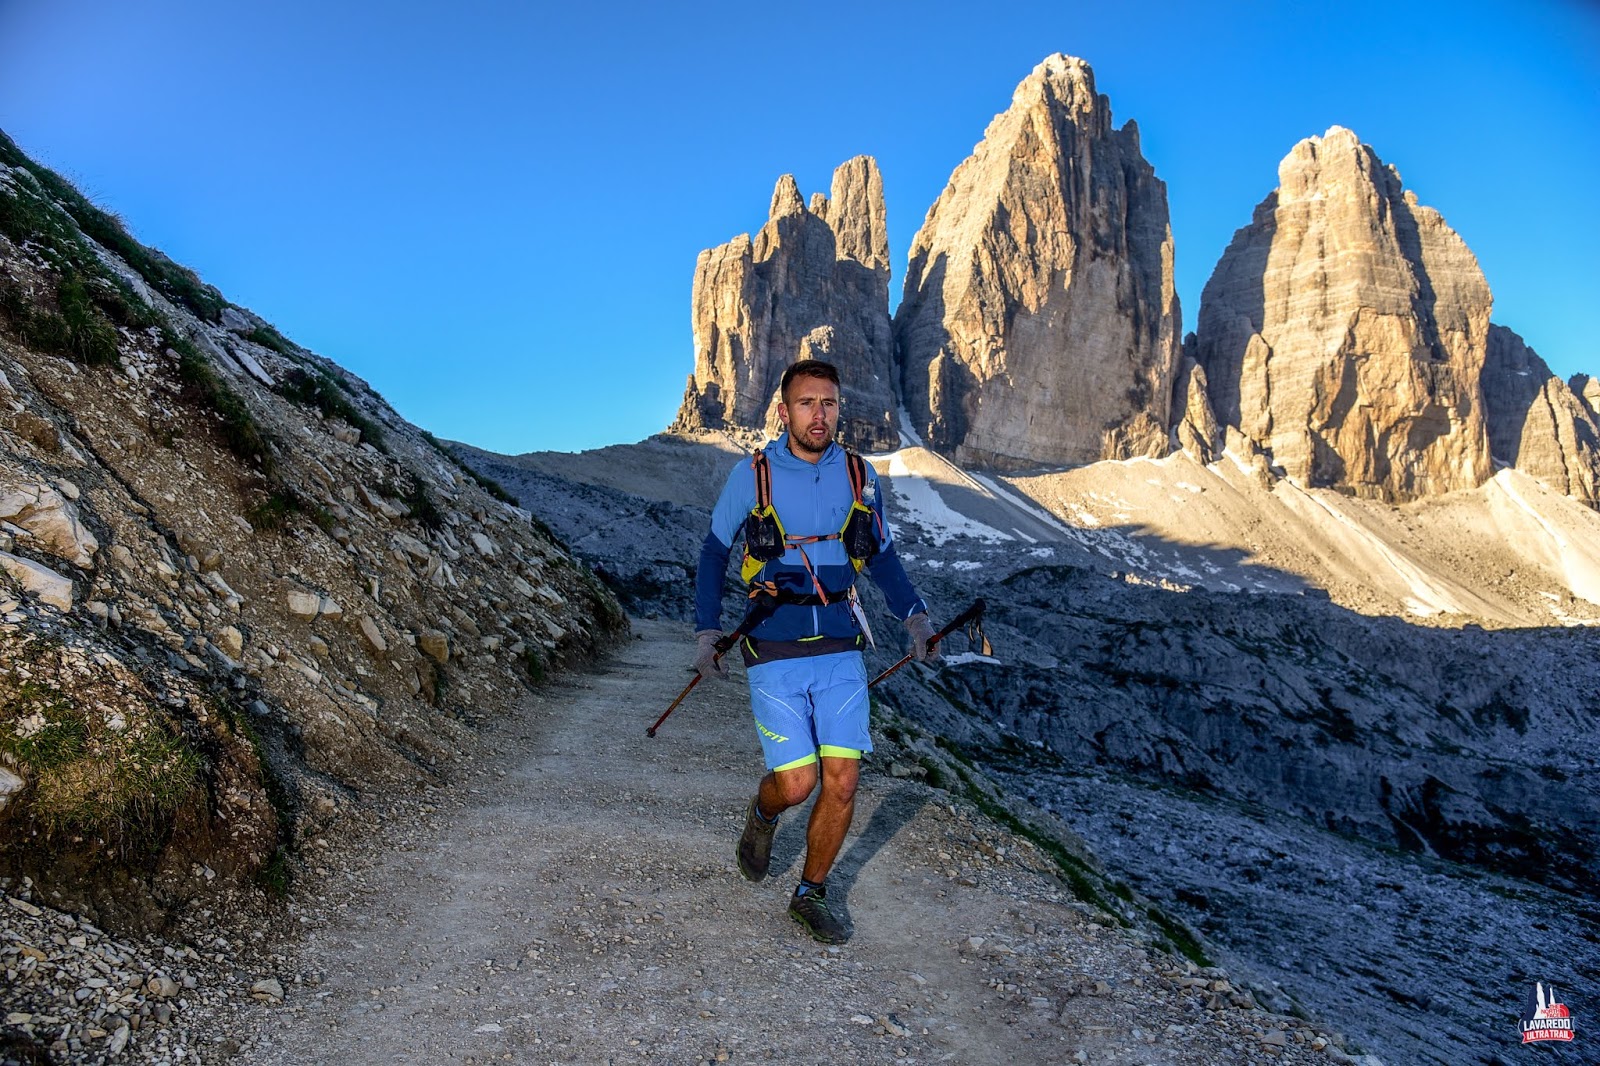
(795, 784)
(840, 777)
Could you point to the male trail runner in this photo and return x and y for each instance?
(808, 683)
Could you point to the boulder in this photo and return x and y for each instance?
(1536, 422)
(1345, 328)
(230, 640)
(372, 636)
(39, 581)
(435, 645)
(50, 519)
(1040, 320)
(305, 605)
(814, 283)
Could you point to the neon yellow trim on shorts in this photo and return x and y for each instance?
(819, 636)
(807, 761)
(831, 752)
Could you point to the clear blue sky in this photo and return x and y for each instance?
(491, 211)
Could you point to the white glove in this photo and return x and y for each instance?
(705, 659)
(921, 631)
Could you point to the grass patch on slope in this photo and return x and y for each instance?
(203, 387)
(175, 282)
(77, 329)
(320, 391)
(88, 774)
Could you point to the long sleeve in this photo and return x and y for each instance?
(738, 496)
(708, 583)
(889, 574)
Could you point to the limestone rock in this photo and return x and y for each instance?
(1536, 422)
(231, 641)
(10, 785)
(268, 990)
(1587, 389)
(304, 605)
(1196, 430)
(1344, 331)
(38, 581)
(51, 520)
(1040, 321)
(39, 432)
(372, 636)
(435, 645)
(813, 283)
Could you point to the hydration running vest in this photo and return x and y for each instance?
(766, 541)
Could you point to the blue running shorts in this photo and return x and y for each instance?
(816, 705)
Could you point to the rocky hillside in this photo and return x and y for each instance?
(239, 591)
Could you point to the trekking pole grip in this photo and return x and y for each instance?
(967, 617)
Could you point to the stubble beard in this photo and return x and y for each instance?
(803, 442)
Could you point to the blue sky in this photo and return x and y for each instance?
(491, 211)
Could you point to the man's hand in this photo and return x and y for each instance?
(705, 659)
(921, 631)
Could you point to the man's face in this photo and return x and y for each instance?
(810, 412)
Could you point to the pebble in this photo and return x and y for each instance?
(268, 989)
(92, 998)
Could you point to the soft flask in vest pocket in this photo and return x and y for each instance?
(763, 535)
(860, 535)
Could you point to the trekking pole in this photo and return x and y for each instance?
(972, 616)
(723, 646)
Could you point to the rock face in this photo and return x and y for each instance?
(1536, 422)
(1040, 323)
(1587, 389)
(813, 284)
(1196, 430)
(1344, 331)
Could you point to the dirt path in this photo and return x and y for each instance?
(581, 905)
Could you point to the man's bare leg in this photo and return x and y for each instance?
(830, 817)
(782, 789)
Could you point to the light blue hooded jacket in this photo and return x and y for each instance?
(812, 499)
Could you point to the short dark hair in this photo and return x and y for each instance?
(807, 368)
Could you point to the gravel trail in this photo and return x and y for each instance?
(576, 901)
